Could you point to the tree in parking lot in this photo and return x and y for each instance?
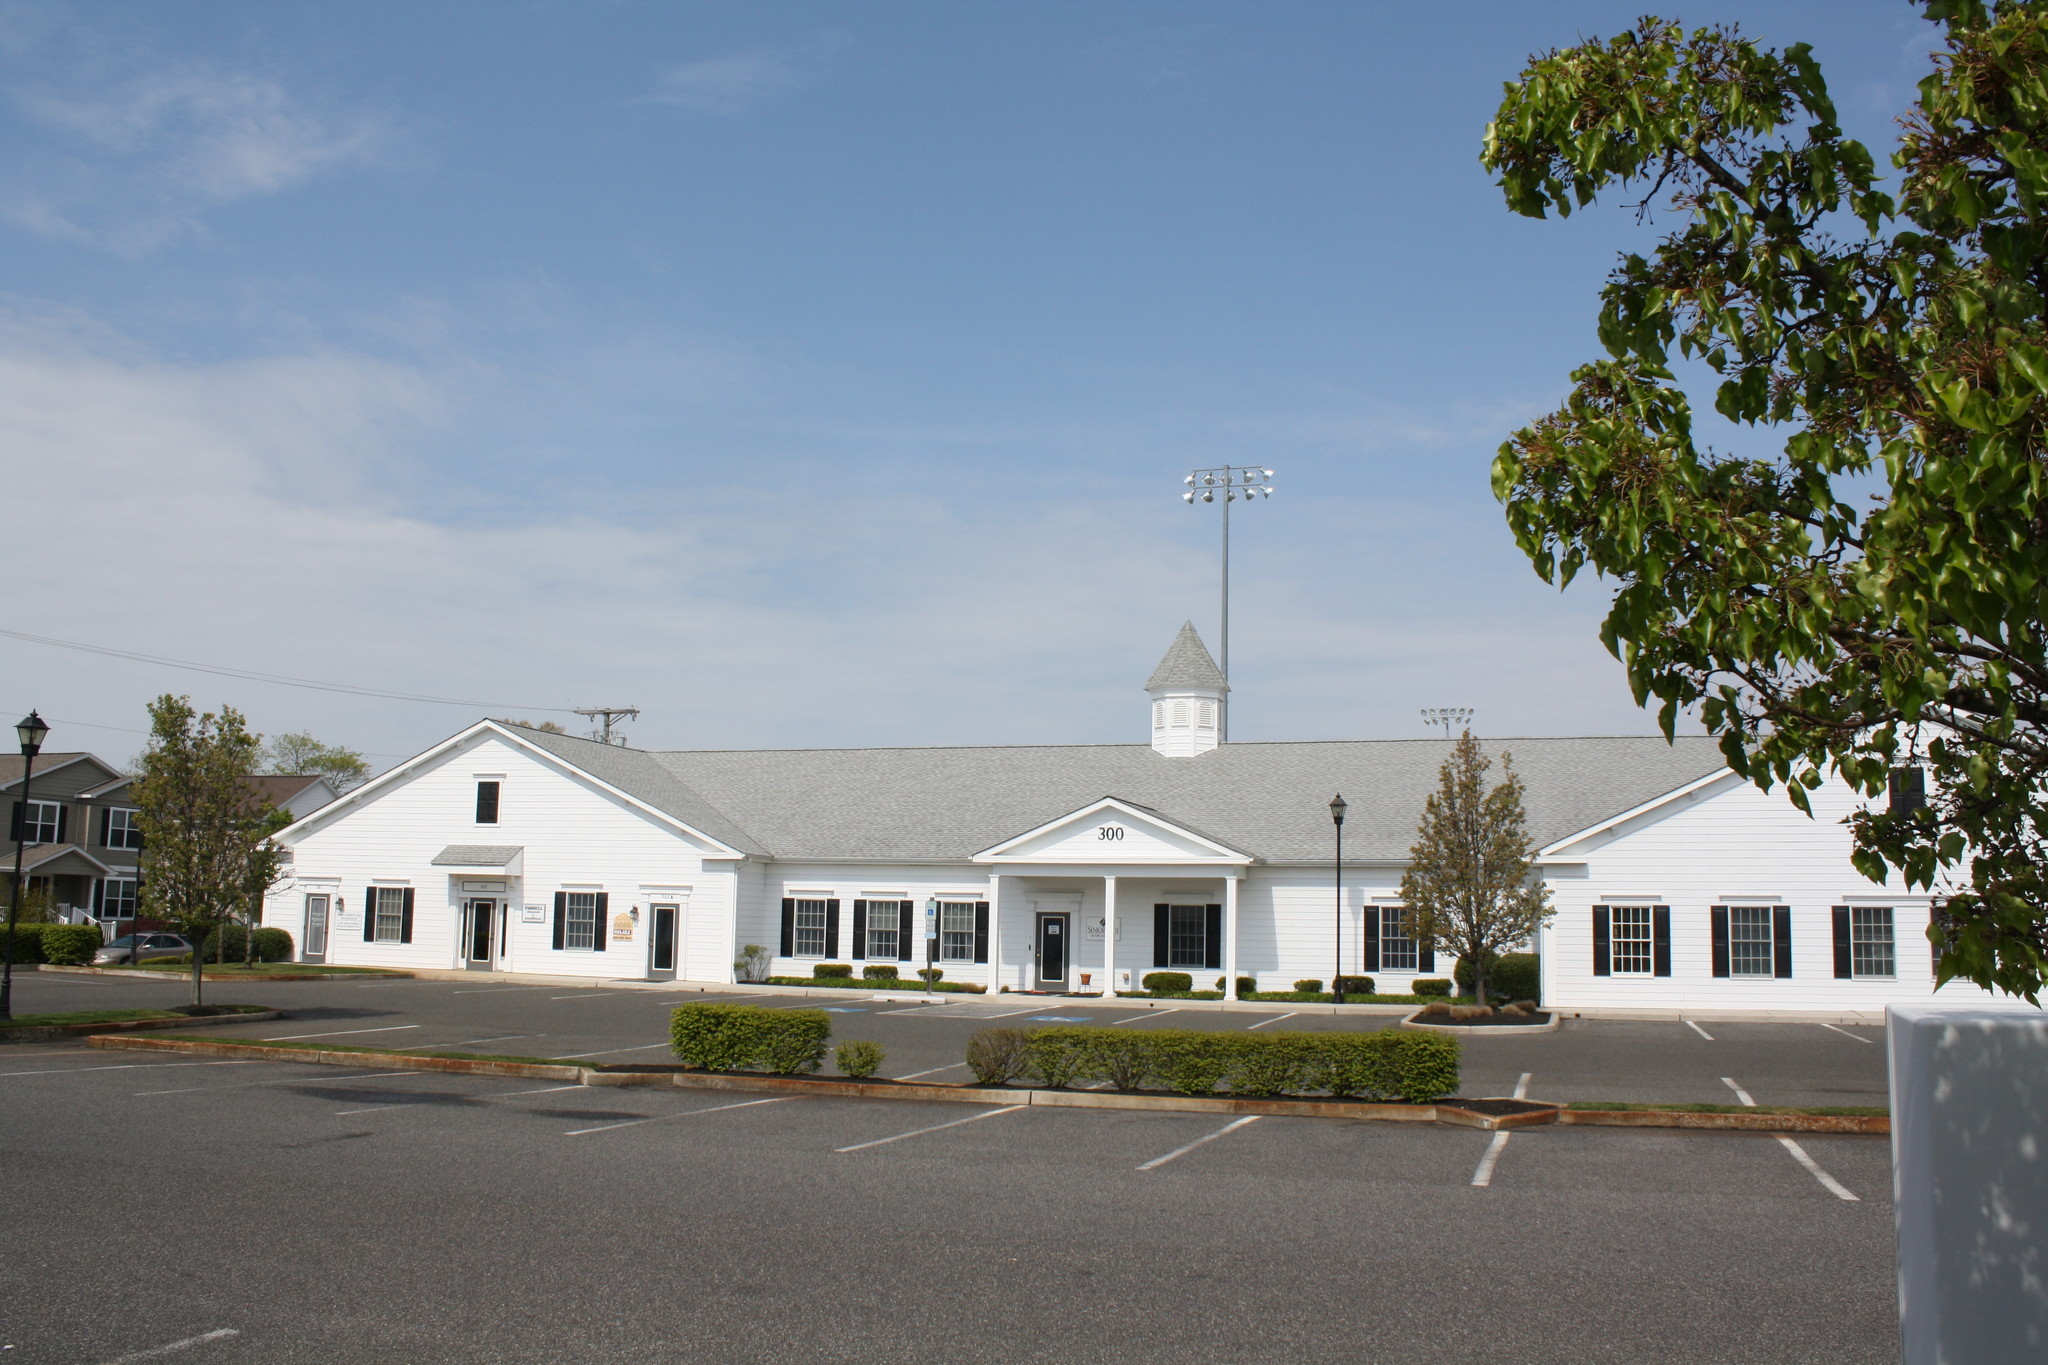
(206, 851)
(1471, 883)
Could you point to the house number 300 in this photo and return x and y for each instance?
(1110, 832)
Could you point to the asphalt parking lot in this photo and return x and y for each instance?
(264, 1212)
(1778, 1063)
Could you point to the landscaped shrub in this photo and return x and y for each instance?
(1310, 986)
(1275, 1066)
(1462, 1012)
(833, 971)
(1123, 1058)
(879, 971)
(752, 964)
(858, 1058)
(229, 943)
(1056, 1057)
(930, 973)
(1430, 985)
(1511, 976)
(1353, 985)
(1440, 1008)
(1192, 1061)
(28, 941)
(721, 1037)
(1167, 981)
(1383, 1065)
(998, 1056)
(69, 945)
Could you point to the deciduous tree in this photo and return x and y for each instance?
(1899, 344)
(300, 755)
(1471, 882)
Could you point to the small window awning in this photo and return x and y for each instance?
(505, 858)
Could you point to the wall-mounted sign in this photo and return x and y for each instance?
(622, 927)
(483, 886)
(1091, 929)
(532, 914)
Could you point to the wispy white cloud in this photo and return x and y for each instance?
(737, 81)
(134, 163)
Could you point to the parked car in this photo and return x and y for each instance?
(123, 949)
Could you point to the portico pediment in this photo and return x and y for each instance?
(1112, 831)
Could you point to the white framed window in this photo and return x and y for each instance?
(885, 930)
(956, 931)
(123, 829)
(39, 822)
(1751, 947)
(1871, 950)
(1397, 948)
(117, 898)
(810, 928)
(1187, 935)
(579, 920)
(487, 793)
(390, 914)
(1631, 943)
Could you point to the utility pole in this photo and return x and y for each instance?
(606, 715)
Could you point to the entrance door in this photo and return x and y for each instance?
(1053, 951)
(483, 918)
(314, 949)
(662, 959)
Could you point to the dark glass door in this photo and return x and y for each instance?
(315, 946)
(663, 961)
(1053, 932)
(483, 916)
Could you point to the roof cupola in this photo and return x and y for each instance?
(1188, 696)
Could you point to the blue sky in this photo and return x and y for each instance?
(805, 374)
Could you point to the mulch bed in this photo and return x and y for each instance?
(1486, 1021)
(1495, 1108)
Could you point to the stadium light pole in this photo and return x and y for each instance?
(1446, 716)
(1233, 482)
(30, 732)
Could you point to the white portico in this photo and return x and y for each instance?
(1076, 881)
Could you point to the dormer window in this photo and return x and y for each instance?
(487, 803)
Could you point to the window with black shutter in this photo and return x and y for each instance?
(981, 931)
(601, 914)
(860, 930)
(561, 919)
(1718, 919)
(1371, 924)
(1602, 956)
(1908, 789)
(1844, 965)
(1781, 933)
(1660, 940)
(487, 803)
(1212, 948)
(906, 933)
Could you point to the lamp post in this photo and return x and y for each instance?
(931, 940)
(1337, 809)
(30, 732)
(1446, 716)
(1233, 482)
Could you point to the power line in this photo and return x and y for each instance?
(250, 675)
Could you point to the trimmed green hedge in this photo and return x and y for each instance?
(69, 945)
(272, 945)
(1511, 976)
(1176, 982)
(1384, 1065)
(28, 940)
(832, 971)
(840, 983)
(744, 1037)
(1430, 985)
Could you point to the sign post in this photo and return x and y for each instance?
(931, 940)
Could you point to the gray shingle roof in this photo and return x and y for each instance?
(639, 774)
(1187, 664)
(477, 855)
(1271, 800)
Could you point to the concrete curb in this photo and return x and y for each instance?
(1874, 1125)
(44, 1033)
(145, 974)
(395, 1061)
(1450, 1111)
(1414, 1021)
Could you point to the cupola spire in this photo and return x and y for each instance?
(1188, 696)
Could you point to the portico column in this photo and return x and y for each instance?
(1230, 938)
(1109, 938)
(995, 932)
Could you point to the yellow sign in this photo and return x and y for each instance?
(622, 926)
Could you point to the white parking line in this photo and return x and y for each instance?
(629, 1123)
(1700, 1031)
(153, 1352)
(544, 1090)
(1828, 1182)
(1484, 1175)
(121, 1066)
(581, 995)
(949, 1066)
(376, 1109)
(500, 990)
(500, 1038)
(607, 1052)
(1522, 1086)
(1149, 1014)
(1740, 1093)
(1846, 1034)
(1274, 1020)
(338, 1033)
(1177, 1152)
(920, 1132)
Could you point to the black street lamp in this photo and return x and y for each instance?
(31, 732)
(1337, 809)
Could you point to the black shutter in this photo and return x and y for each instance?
(1845, 964)
(370, 915)
(1781, 940)
(831, 929)
(1213, 940)
(561, 918)
(1720, 920)
(1660, 940)
(405, 919)
(63, 822)
(860, 930)
(601, 928)
(906, 938)
(981, 931)
(1603, 964)
(99, 895)
(1371, 921)
(106, 826)
(789, 926)
(1162, 934)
